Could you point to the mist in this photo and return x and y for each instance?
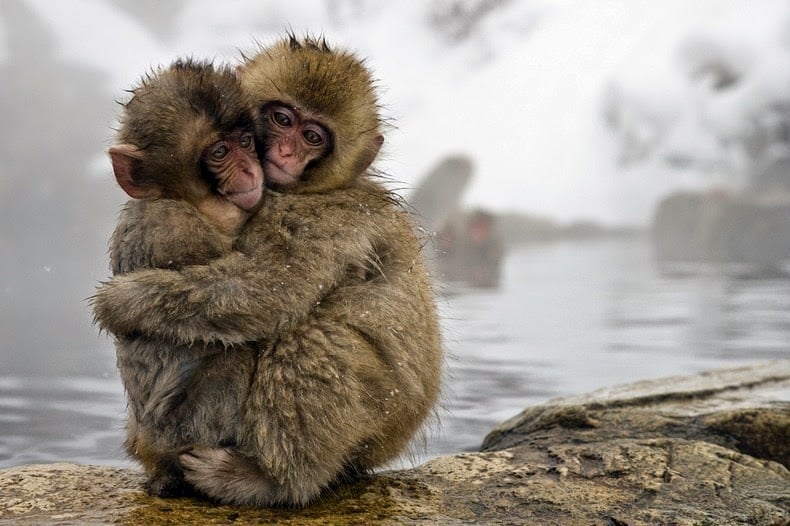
(608, 183)
(570, 111)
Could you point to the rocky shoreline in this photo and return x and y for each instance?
(708, 449)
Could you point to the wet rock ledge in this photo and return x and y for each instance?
(710, 449)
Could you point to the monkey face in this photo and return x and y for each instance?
(188, 134)
(311, 84)
(233, 166)
(293, 140)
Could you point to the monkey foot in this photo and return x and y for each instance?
(226, 476)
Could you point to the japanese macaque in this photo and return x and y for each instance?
(325, 303)
(187, 156)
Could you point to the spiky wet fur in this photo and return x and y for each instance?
(315, 355)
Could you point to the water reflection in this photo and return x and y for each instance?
(77, 419)
(570, 317)
(716, 313)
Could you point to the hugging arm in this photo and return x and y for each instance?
(290, 257)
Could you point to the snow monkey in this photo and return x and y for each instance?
(324, 301)
(187, 157)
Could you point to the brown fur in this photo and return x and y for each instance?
(172, 116)
(164, 233)
(344, 370)
(327, 310)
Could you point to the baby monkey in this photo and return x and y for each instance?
(324, 306)
(187, 157)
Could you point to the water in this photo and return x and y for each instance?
(569, 318)
(574, 317)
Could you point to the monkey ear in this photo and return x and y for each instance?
(370, 154)
(239, 71)
(127, 163)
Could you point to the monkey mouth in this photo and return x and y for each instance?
(274, 173)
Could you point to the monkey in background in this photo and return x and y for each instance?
(326, 284)
(187, 157)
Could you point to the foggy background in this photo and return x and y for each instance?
(569, 119)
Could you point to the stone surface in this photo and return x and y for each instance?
(710, 449)
(716, 227)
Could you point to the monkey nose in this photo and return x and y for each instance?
(286, 150)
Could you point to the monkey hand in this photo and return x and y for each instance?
(168, 485)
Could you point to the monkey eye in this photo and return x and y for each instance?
(314, 136)
(282, 119)
(246, 140)
(219, 151)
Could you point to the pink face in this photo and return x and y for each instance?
(292, 142)
(234, 164)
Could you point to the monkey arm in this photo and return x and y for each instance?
(298, 252)
(228, 301)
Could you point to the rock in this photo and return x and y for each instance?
(715, 227)
(701, 450)
(706, 449)
(752, 230)
(682, 225)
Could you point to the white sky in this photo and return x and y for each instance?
(522, 97)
